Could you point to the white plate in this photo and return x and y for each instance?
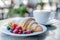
(4, 30)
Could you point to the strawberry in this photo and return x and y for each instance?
(19, 27)
(20, 32)
(14, 26)
(15, 31)
(28, 32)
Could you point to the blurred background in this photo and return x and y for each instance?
(25, 8)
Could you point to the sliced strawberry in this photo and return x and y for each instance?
(20, 32)
(15, 31)
(14, 26)
(28, 32)
(19, 28)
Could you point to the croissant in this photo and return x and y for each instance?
(30, 24)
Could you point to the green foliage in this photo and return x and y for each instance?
(41, 4)
(21, 11)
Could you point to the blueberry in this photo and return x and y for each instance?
(11, 30)
(8, 28)
(32, 31)
(24, 32)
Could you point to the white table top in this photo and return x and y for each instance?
(52, 33)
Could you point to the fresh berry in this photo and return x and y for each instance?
(28, 32)
(8, 28)
(15, 31)
(14, 26)
(11, 30)
(24, 32)
(20, 32)
(19, 28)
(32, 31)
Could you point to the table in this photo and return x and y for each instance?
(51, 34)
